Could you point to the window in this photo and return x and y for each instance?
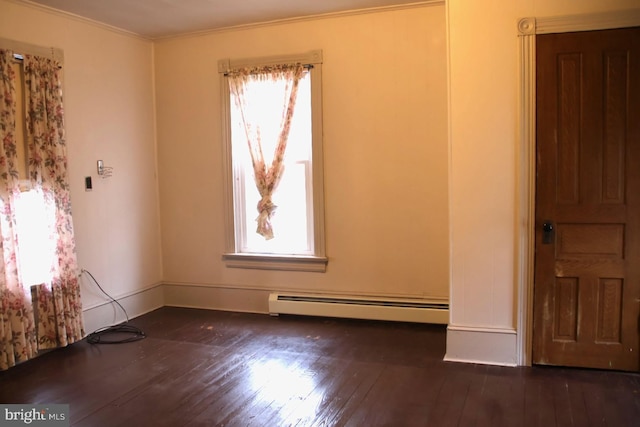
(277, 220)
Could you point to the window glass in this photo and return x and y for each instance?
(34, 225)
(293, 195)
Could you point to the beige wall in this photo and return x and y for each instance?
(484, 109)
(385, 147)
(109, 106)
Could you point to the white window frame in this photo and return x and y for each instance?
(232, 256)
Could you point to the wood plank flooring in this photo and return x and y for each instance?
(211, 368)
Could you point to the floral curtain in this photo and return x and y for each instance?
(54, 317)
(266, 177)
(17, 327)
(59, 311)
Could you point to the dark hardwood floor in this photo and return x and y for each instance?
(210, 368)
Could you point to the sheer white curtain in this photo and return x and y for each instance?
(267, 176)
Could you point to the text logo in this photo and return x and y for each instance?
(34, 415)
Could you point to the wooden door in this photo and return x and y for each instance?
(587, 259)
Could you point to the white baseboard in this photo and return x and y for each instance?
(136, 303)
(487, 346)
(213, 297)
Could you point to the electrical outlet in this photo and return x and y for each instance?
(100, 167)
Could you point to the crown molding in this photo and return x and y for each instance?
(329, 15)
(121, 31)
(77, 18)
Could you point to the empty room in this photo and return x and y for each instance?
(347, 212)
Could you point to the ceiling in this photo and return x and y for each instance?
(165, 18)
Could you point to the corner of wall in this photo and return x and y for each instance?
(487, 346)
(136, 304)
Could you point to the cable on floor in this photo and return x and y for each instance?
(116, 334)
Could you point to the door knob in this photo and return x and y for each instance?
(547, 232)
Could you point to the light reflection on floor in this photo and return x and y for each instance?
(289, 386)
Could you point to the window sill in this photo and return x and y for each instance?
(276, 262)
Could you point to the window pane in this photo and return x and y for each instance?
(36, 249)
(291, 221)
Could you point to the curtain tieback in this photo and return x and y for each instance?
(267, 209)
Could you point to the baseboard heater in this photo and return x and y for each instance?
(400, 310)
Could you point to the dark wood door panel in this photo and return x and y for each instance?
(588, 240)
(587, 274)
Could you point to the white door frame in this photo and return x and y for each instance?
(528, 28)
